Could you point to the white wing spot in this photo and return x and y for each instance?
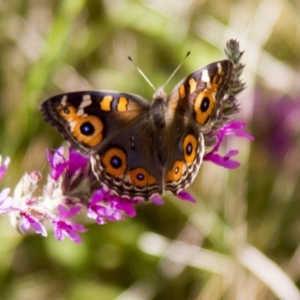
(205, 78)
(80, 112)
(64, 100)
(219, 68)
(86, 101)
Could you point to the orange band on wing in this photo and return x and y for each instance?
(193, 85)
(182, 91)
(176, 171)
(204, 106)
(122, 104)
(141, 178)
(105, 103)
(85, 129)
(115, 162)
(190, 145)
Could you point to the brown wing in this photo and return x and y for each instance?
(195, 102)
(87, 119)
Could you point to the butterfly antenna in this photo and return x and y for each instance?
(142, 73)
(188, 53)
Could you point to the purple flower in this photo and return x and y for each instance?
(73, 171)
(64, 228)
(111, 208)
(76, 162)
(28, 220)
(225, 160)
(184, 195)
(23, 207)
(156, 199)
(66, 214)
(57, 163)
(233, 128)
(3, 167)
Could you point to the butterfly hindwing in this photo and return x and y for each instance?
(129, 164)
(185, 156)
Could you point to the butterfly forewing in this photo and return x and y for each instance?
(199, 95)
(87, 118)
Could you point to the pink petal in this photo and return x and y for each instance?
(184, 195)
(64, 213)
(157, 200)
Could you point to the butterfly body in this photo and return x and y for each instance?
(139, 148)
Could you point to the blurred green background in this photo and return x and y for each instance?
(241, 239)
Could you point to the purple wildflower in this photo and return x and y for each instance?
(184, 195)
(28, 220)
(72, 172)
(156, 199)
(76, 162)
(57, 163)
(66, 214)
(233, 128)
(64, 228)
(23, 207)
(111, 208)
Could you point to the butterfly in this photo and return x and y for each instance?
(139, 149)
